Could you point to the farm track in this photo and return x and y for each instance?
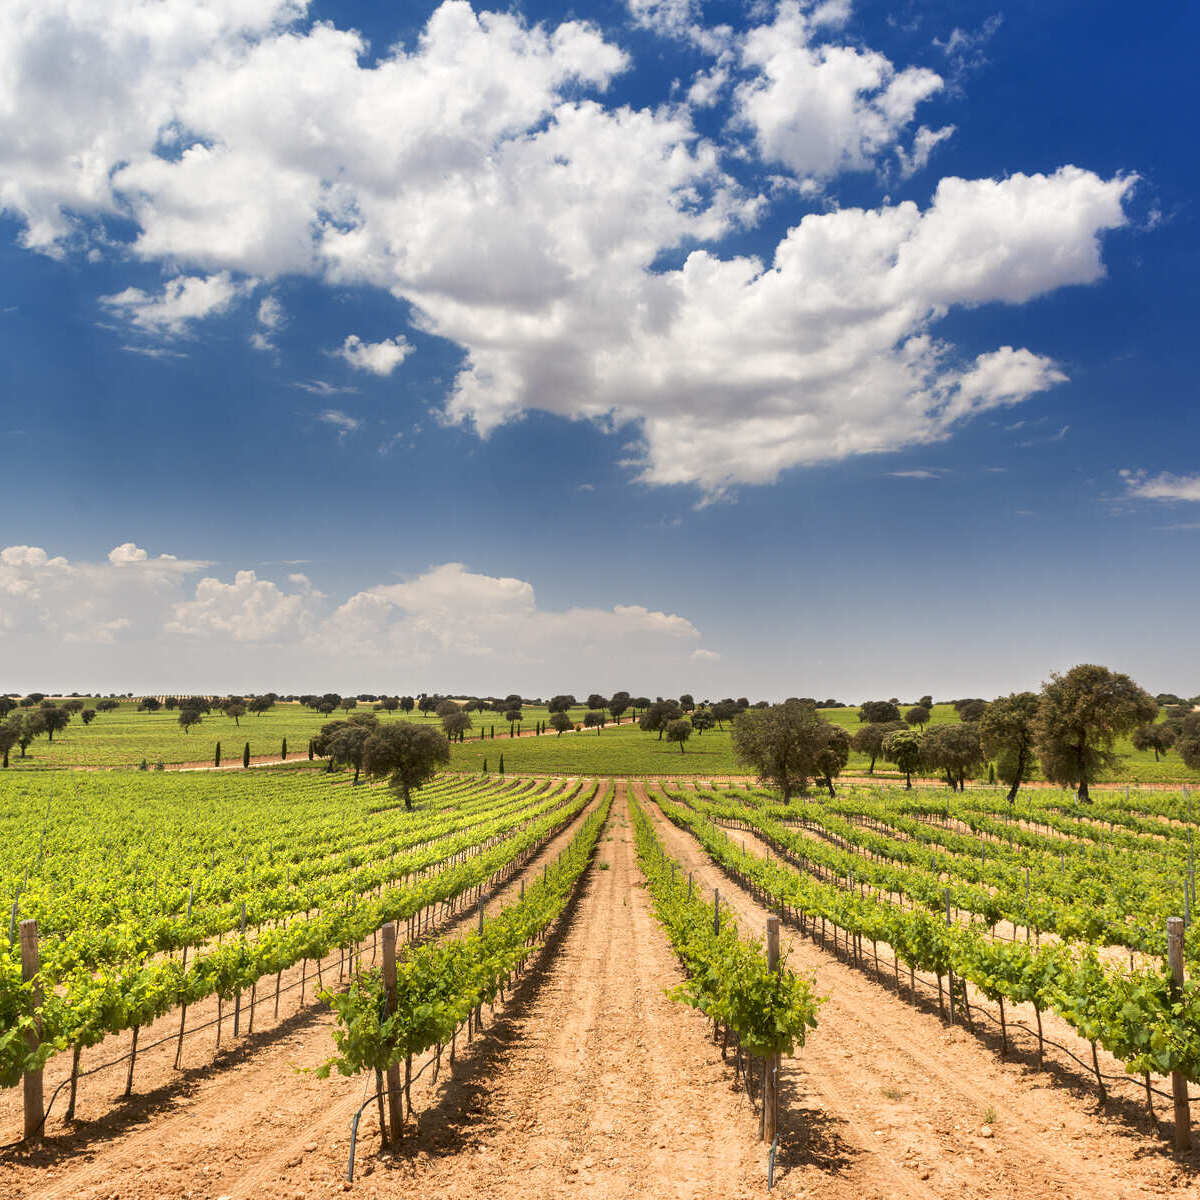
(197, 1131)
(887, 1100)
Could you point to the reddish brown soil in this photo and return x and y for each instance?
(590, 1081)
(888, 1100)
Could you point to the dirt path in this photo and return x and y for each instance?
(887, 1100)
(605, 1087)
(198, 1131)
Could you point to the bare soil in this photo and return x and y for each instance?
(588, 1080)
(888, 1100)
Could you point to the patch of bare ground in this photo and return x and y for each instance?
(197, 1131)
(903, 1097)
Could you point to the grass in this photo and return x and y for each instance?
(124, 737)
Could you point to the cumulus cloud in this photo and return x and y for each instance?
(147, 619)
(181, 302)
(737, 370)
(820, 108)
(380, 358)
(85, 602)
(565, 210)
(1163, 486)
(247, 610)
(452, 615)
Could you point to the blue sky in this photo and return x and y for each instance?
(752, 348)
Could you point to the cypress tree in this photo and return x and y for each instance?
(283, 751)
(246, 755)
(217, 756)
(485, 766)
(502, 764)
(310, 750)
(493, 732)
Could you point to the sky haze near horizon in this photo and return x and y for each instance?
(767, 348)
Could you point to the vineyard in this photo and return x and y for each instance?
(581, 982)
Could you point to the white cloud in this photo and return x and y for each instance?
(1163, 486)
(705, 656)
(822, 108)
(248, 610)
(380, 358)
(925, 141)
(463, 621)
(271, 318)
(564, 211)
(344, 423)
(147, 622)
(319, 387)
(916, 473)
(79, 602)
(183, 300)
(738, 370)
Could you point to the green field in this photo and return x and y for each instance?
(123, 738)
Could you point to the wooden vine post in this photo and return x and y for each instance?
(770, 1093)
(1183, 1117)
(395, 1096)
(35, 1113)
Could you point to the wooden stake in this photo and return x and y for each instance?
(237, 1000)
(35, 1112)
(394, 1094)
(770, 1089)
(1183, 1118)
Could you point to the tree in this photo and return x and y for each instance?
(925, 702)
(1187, 742)
(348, 703)
(1006, 733)
(428, 704)
(149, 704)
(107, 705)
(1080, 716)
(870, 738)
(703, 719)
(408, 755)
(658, 716)
(54, 719)
(188, 717)
(785, 743)
(595, 718)
(954, 750)
(87, 716)
(561, 722)
(639, 704)
(595, 700)
(512, 715)
(8, 739)
(246, 755)
(235, 709)
(687, 702)
(456, 724)
(389, 703)
(345, 744)
(904, 749)
(618, 705)
(679, 731)
(833, 755)
(878, 712)
(1154, 736)
(217, 755)
(970, 710)
(724, 710)
(559, 704)
(407, 704)
(918, 715)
